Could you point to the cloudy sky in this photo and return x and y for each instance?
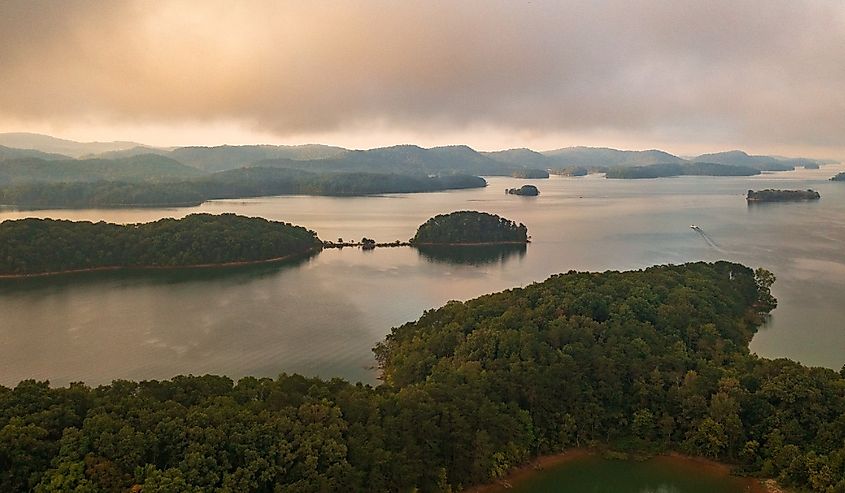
(688, 77)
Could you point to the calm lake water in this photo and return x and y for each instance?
(321, 316)
(596, 475)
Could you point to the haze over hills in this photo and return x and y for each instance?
(521, 156)
(407, 159)
(141, 168)
(602, 156)
(403, 159)
(47, 143)
(763, 163)
(13, 153)
(221, 158)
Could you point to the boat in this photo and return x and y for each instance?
(693, 226)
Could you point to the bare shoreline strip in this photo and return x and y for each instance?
(109, 268)
(542, 463)
(482, 243)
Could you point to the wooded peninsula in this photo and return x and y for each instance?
(47, 246)
(237, 183)
(649, 361)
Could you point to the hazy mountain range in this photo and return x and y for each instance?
(26, 156)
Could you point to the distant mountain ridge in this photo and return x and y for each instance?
(407, 159)
(763, 163)
(141, 168)
(607, 157)
(13, 153)
(49, 144)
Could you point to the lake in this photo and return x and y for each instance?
(322, 315)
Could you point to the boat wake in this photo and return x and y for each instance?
(707, 239)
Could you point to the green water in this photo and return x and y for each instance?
(595, 475)
(322, 315)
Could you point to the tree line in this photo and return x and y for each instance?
(238, 183)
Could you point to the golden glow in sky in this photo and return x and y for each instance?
(689, 77)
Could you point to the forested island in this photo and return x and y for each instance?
(770, 195)
(527, 190)
(681, 169)
(838, 177)
(46, 246)
(469, 228)
(645, 361)
(238, 183)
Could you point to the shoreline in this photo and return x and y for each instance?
(111, 268)
(524, 472)
(481, 243)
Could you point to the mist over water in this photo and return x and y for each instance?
(322, 315)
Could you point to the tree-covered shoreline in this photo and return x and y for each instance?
(680, 169)
(650, 360)
(38, 247)
(238, 183)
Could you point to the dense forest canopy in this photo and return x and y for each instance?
(469, 227)
(33, 246)
(651, 360)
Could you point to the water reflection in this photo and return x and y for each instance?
(472, 255)
(153, 277)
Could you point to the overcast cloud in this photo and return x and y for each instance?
(706, 74)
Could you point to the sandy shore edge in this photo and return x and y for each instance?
(522, 473)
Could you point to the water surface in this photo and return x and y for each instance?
(321, 316)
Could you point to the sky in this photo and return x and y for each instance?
(689, 77)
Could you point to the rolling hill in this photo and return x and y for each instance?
(142, 168)
(46, 143)
(762, 163)
(590, 157)
(12, 153)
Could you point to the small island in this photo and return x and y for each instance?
(530, 173)
(469, 228)
(811, 166)
(525, 190)
(770, 195)
(40, 247)
(839, 177)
